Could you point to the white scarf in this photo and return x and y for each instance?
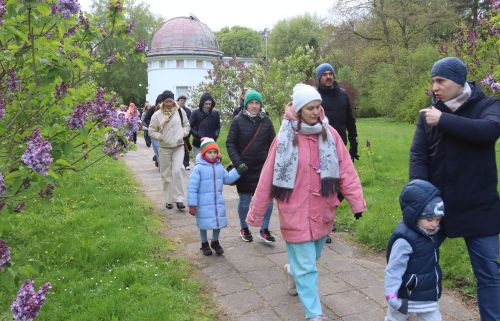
(455, 103)
(285, 164)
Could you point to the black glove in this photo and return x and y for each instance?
(353, 151)
(404, 306)
(357, 216)
(242, 168)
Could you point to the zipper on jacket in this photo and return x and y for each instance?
(215, 197)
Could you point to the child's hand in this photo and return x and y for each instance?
(399, 305)
(192, 210)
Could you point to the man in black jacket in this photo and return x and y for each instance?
(454, 148)
(204, 121)
(187, 144)
(337, 107)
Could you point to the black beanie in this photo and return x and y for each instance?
(168, 94)
(159, 99)
(450, 68)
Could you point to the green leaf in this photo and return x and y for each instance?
(18, 33)
(53, 174)
(62, 162)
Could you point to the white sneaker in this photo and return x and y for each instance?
(316, 318)
(290, 282)
(187, 168)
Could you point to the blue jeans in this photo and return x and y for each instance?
(484, 254)
(302, 258)
(155, 145)
(244, 205)
(204, 236)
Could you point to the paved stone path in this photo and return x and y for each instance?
(247, 282)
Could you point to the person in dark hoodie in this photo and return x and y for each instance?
(204, 121)
(454, 149)
(412, 281)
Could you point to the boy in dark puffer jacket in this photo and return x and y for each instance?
(413, 274)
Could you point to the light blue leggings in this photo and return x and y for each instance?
(204, 236)
(302, 258)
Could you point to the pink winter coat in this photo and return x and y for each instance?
(307, 216)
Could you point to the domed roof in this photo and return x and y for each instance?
(184, 35)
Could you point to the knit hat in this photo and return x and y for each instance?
(207, 144)
(159, 99)
(253, 95)
(322, 68)
(302, 95)
(450, 68)
(435, 207)
(167, 94)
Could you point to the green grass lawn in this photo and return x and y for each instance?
(98, 243)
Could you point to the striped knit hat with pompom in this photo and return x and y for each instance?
(207, 144)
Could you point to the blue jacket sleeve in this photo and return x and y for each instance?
(485, 130)
(194, 187)
(419, 165)
(231, 177)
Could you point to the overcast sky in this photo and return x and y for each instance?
(216, 14)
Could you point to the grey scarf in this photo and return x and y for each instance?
(285, 164)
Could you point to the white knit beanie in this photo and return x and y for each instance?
(302, 95)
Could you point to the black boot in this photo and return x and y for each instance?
(205, 249)
(215, 245)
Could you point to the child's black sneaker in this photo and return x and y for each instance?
(205, 249)
(265, 235)
(246, 235)
(215, 245)
(169, 206)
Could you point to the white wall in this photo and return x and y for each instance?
(171, 77)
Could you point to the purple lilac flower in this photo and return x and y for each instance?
(3, 10)
(84, 21)
(37, 154)
(78, 117)
(19, 207)
(68, 7)
(3, 188)
(140, 46)
(71, 31)
(61, 90)
(443, 50)
(129, 28)
(111, 59)
(47, 191)
(27, 304)
(488, 80)
(114, 144)
(2, 106)
(495, 4)
(53, 9)
(13, 83)
(4, 253)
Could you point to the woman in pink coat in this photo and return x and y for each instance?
(307, 165)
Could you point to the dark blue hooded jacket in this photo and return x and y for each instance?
(458, 157)
(424, 261)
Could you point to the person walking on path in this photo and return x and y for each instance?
(147, 121)
(454, 148)
(248, 141)
(187, 144)
(306, 166)
(169, 126)
(147, 139)
(413, 256)
(205, 198)
(338, 110)
(133, 120)
(205, 121)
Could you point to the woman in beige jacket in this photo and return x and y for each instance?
(169, 125)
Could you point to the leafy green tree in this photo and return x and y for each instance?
(301, 31)
(239, 41)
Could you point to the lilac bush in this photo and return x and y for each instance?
(28, 302)
(2, 184)
(67, 8)
(2, 106)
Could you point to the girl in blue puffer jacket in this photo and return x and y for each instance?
(205, 199)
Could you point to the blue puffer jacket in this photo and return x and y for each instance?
(205, 192)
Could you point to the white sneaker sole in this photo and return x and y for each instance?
(290, 282)
(263, 239)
